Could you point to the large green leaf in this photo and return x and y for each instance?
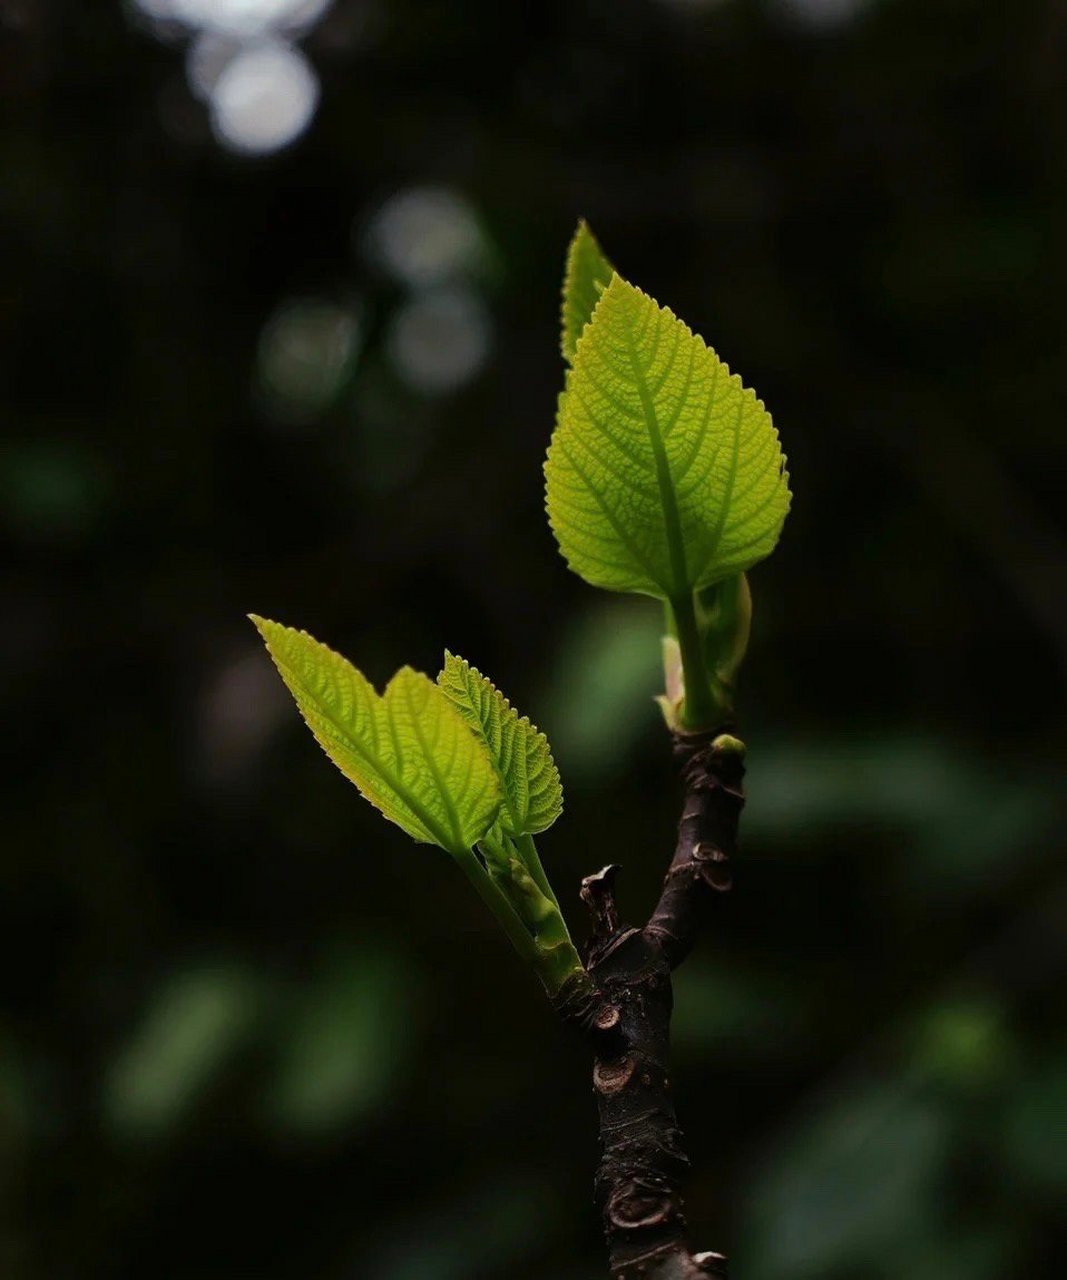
(410, 753)
(587, 275)
(533, 796)
(664, 473)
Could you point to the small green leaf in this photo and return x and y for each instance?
(533, 796)
(410, 753)
(587, 275)
(664, 474)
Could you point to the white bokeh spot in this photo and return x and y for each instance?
(263, 98)
(440, 340)
(425, 236)
(242, 19)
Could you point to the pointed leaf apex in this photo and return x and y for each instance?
(407, 750)
(586, 275)
(533, 796)
(665, 473)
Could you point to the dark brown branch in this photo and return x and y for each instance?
(713, 771)
(598, 894)
(627, 1013)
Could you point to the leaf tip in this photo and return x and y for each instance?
(267, 628)
(586, 273)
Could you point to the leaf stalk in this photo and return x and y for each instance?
(554, 956)
(490, 893)
(699, 709)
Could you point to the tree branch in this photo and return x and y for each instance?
(626, 1010)
(713, 770)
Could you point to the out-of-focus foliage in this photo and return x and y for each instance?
(237, 1037)
(601, 684)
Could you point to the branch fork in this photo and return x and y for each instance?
(624, 1007)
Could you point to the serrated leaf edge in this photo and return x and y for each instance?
(569, 271)
(415, 805)
(538, 734)
(583, 337)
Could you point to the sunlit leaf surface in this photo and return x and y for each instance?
(410, 753)
(533, 796)
(587, 275)
(664, 473)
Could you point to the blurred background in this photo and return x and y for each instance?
(278, 310)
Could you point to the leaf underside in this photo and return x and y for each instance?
(410, 753)
(587, 275)
(533, 796)
(664, 473)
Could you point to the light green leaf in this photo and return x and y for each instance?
(587, 275)
(533, 796)
(410, 753)
(664, 473)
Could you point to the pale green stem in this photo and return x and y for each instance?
(528, 852)
(555, 958)
(494, 899)
(698, 710)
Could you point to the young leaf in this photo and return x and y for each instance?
(533, 796)
(587, 275)
(664, 473)
(410, 753)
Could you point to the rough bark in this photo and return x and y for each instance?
(626, 1011)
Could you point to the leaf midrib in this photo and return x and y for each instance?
(445, 794)
(397, 784)
(672, 524)
(483, 719)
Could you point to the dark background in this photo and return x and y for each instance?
(246, 1028)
